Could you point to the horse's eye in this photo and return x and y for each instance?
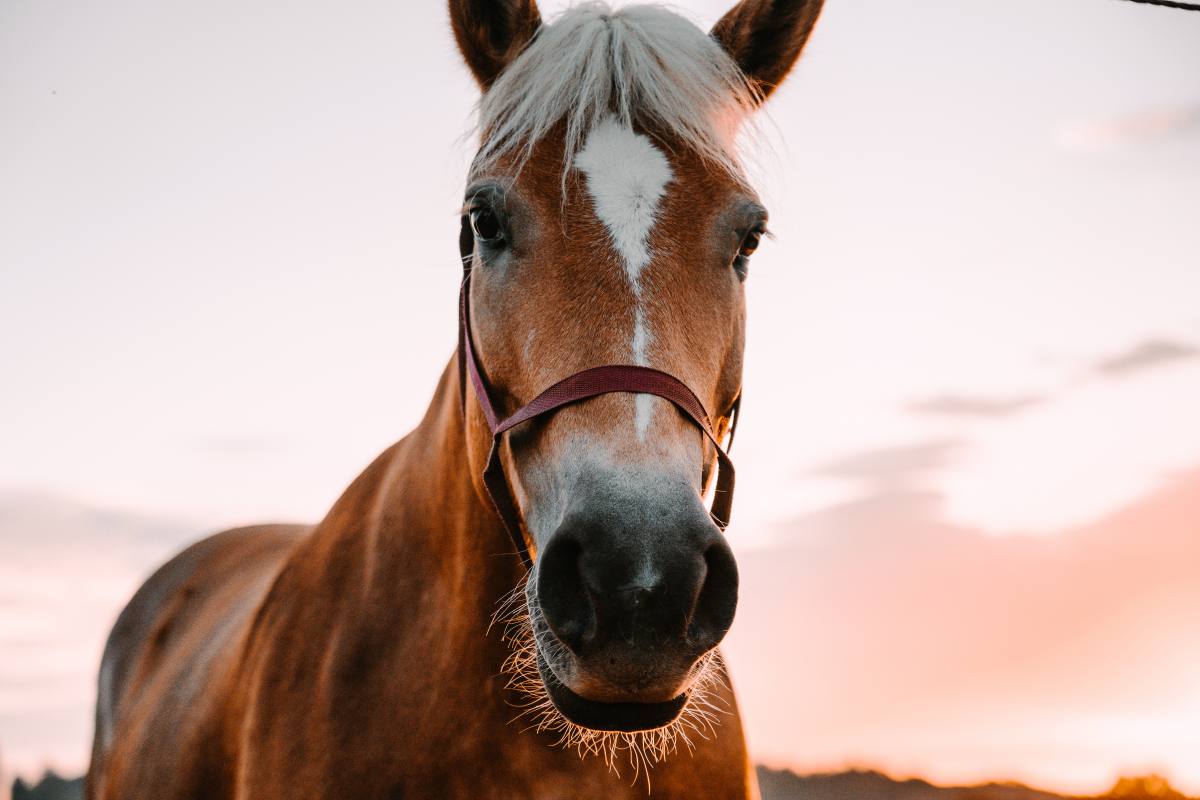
(741, 261)
(750, 243)
(486, 226)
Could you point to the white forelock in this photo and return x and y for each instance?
(642, 65)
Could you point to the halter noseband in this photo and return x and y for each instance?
(573, 389)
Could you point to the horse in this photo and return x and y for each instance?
(521, 598)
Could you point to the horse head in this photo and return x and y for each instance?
(607, 220)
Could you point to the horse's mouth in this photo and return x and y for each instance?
(599, 716)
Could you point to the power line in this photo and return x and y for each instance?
(1170, 4)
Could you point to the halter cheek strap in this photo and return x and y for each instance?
(573, 389)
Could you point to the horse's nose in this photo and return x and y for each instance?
(601, 585)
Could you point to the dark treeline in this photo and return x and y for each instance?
(51, 787)
(787, 785)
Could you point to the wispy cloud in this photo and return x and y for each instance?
(976, 406)
(66, 569)
(33, 523)
(1129, 129)
(897, 464)
(1146, 355)
(1140, 357)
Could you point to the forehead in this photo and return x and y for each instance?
(627, 177)
(629, 241)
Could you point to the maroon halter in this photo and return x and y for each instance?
(573, 389)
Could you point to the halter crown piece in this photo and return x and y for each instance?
(575, 388)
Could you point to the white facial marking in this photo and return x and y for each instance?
(627, 177)
(643, 404)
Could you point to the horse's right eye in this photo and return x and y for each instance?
(486, 226)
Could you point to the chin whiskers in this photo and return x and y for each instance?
(640, 750)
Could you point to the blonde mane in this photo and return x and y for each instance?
(645, 65)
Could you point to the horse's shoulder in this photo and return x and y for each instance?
(195, 572)
(191, 587)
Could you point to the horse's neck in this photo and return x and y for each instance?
(386, 605)
(417, 531)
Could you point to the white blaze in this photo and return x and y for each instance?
(627, 177)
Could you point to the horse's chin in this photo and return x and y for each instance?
(600, 716)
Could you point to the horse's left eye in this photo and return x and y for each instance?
(750, 241)
(486, 225)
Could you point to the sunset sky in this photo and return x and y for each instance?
(968, 510)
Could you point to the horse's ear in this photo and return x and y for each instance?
(491, 33)
(765, 37)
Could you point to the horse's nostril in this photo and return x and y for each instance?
(564, 601)
(717, 600)
(666, 592)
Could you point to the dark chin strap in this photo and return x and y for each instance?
(573, 389)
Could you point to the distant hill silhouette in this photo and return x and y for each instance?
(870, 785)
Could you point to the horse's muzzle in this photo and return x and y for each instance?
(634, 610)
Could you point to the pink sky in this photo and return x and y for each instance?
(933, 649)
(966, 545)
(869, 633)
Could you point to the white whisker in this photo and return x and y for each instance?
(642, 750)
